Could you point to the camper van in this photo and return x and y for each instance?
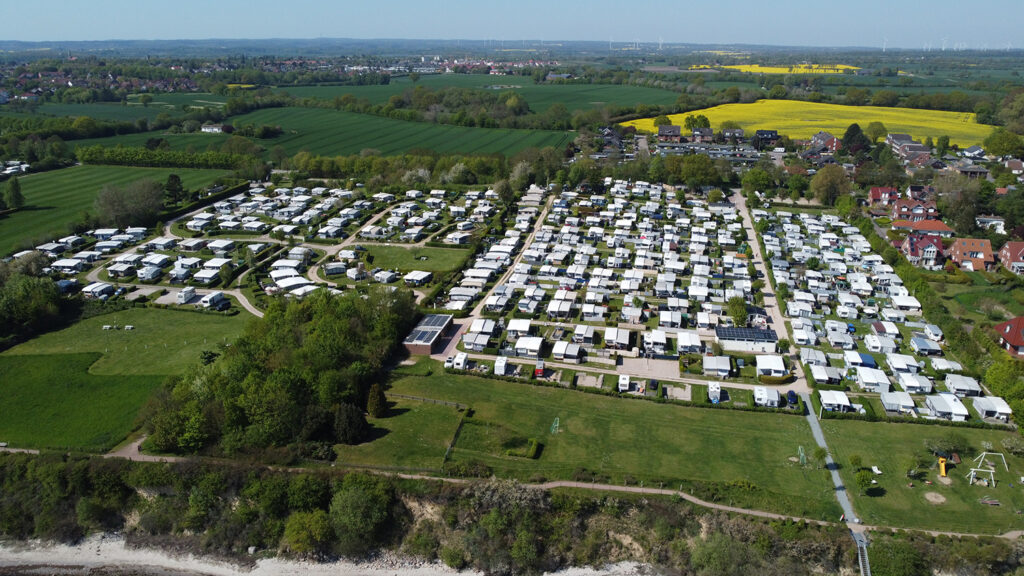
(186, 295)
(215, 300)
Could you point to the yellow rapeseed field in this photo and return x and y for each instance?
(794, 69)
(802, 120)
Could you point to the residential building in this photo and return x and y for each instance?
(923, 251)
(1011, 336)
(972, 253)
(1011, 256)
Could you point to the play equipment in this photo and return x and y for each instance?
(803, 457)
(978, 475)
(942, 467)
(554, 426)
(982, 459)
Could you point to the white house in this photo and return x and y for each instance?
(899, 402)
(872, 379)
(962, 385)
(834, 401)
(564, 351)
(771, 365)
(529, 347)
(915, 383)
(948, 406)
(993, 407)
(718, 366)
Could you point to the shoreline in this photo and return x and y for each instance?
(109, 554)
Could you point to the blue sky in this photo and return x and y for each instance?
(988, 24)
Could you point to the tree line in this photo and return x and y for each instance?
(301, 376)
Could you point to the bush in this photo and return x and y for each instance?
(453, 557)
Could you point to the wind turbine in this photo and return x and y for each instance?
(944, 43)
(885, 42)
(660, 41)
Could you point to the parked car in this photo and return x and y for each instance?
(791, 398)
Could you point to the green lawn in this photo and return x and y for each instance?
(53, 402)
(55, 199)
(891, 447)
(413, 435)
(162, 342)
(736, 458)
(407, 259)
(539, 96)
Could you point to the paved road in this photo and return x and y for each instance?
(819, 438)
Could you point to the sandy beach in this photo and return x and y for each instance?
(101, 554)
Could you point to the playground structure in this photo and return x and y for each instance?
(985, 476)
(942, 466)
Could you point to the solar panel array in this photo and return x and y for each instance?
(428, 329)
(754, 334)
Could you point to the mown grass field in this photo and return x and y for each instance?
(540, 97)
(803, 119)
(413, 435)
(408, 259)
(746, 455)
(163, 341)
(55, 199)
(891, 446)
(53, 401)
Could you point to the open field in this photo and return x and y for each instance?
(539, 96)
(163, 341)
(794, 69)
(330, 132)
(891, 446)
(745, 454)
(407, 259)
(55, 199)
(413, 435)
(803, 119)
(333, 133)
(53, 402)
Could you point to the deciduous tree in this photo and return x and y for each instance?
(829, 184)
(13, 197)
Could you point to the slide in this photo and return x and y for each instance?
(942, 467)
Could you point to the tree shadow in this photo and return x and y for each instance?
(875, 492)
(375, 433)
(392, 411)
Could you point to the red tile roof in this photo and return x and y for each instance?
(930, 226)
(1012, 331)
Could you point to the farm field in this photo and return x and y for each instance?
(803, 119)
(413, 435)
(52, 401)
(733, 457)
(335, 133)
(891, 447)
(407, 259)
(540, 97)
(55, 199)
(163, 341)
(162, 104)
(794, 69)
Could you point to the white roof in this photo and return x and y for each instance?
(529, 343)
(992, 404)
(946, 402)
(901, 399)
(834, 398)
(519, 325)
(771, 362)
